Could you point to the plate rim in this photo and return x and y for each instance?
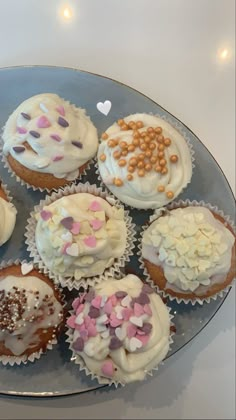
(55, 394)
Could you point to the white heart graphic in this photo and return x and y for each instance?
(120, 333)
(26, 268)
(73, 250)
(135, 344)
(105, 107)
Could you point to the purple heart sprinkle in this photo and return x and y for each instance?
(115, 343)
(34, 134)
(26, 116)
(90, 295)
(18, 149)
(78, 345)
(120, 294)
(147, 289)
(112, 331)
(55, 137)
(94, 312)
(67, 222)
(142, 299)
(146, 328)
(77, 144)
(61, 121)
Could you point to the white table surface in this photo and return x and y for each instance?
(181, 54)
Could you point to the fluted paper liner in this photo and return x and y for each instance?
(18, 360)
(179, 128)
(156, 215)
(24, 183)
(78, 360)
(71, 282)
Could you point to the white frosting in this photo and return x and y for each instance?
(90, 251)
(18, 331)
(193, 248)
(131, 365)
(60, 158)
(142, 192)
(7, 220)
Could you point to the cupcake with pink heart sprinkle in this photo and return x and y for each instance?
(119, 330)
(77, 236)
(48, 142)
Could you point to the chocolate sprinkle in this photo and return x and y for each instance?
(146, 328)
(120, 294)
(34, 134)
(94, 312)
(90, 295)
(115, 343)
(77, 144)
(67, 222)
(26, 116)
(78, 345)
(147, 289)
(61, 121)
(18, 149)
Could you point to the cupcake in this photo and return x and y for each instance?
(79, 236)
(119, 330)
(7, 217)
(144, 161)
(189, 253)
(48, 142)
(31, 313)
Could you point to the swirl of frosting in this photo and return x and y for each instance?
(7, 220)
(145, 162)
(121, 329)
(80, 235)
(191, 245)
(27, 305)
(47, 134)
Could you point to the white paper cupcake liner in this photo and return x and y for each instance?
(6, 164)
(179, 128)
(71, 282)
(156, 215)
(6, 191)
(79, 361)
(18, 360)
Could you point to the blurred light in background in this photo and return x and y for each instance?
(224, 54)
(66, 13)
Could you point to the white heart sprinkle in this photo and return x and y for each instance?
(102, 319)
(26, 268)
(135, 344)
(126, 301)
(79, 319)
(105, 107)
(103, 301)
(101, 327)
(118, 310)
(43, 107)
(136, 321)
(67, 237)
(105, 334)
(120, 333)
(73, 250)
(111, 200)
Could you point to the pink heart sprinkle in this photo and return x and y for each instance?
(84, 335)
(46, 215)
(114, 321)
(76, 228)
(21, 130)
(127, 313)
(108, 307)
(138, 310)
(95, 206)
(96, 302)
(76, 303)
(92, 330)
(61, 110)
(55, 137)
(80, 309)
(96, 224)
(139, 332)
(147, 310)
(71, 321)
(64, 248)
(80, 327)
(144, 339)
(43, 122)
(113, 300)
(87, 321)
(107, 369)
(90, 241)
(131, 330)
(57, 158)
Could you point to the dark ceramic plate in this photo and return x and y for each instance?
(54, 374)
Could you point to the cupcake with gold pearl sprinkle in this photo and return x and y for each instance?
(144, 161)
